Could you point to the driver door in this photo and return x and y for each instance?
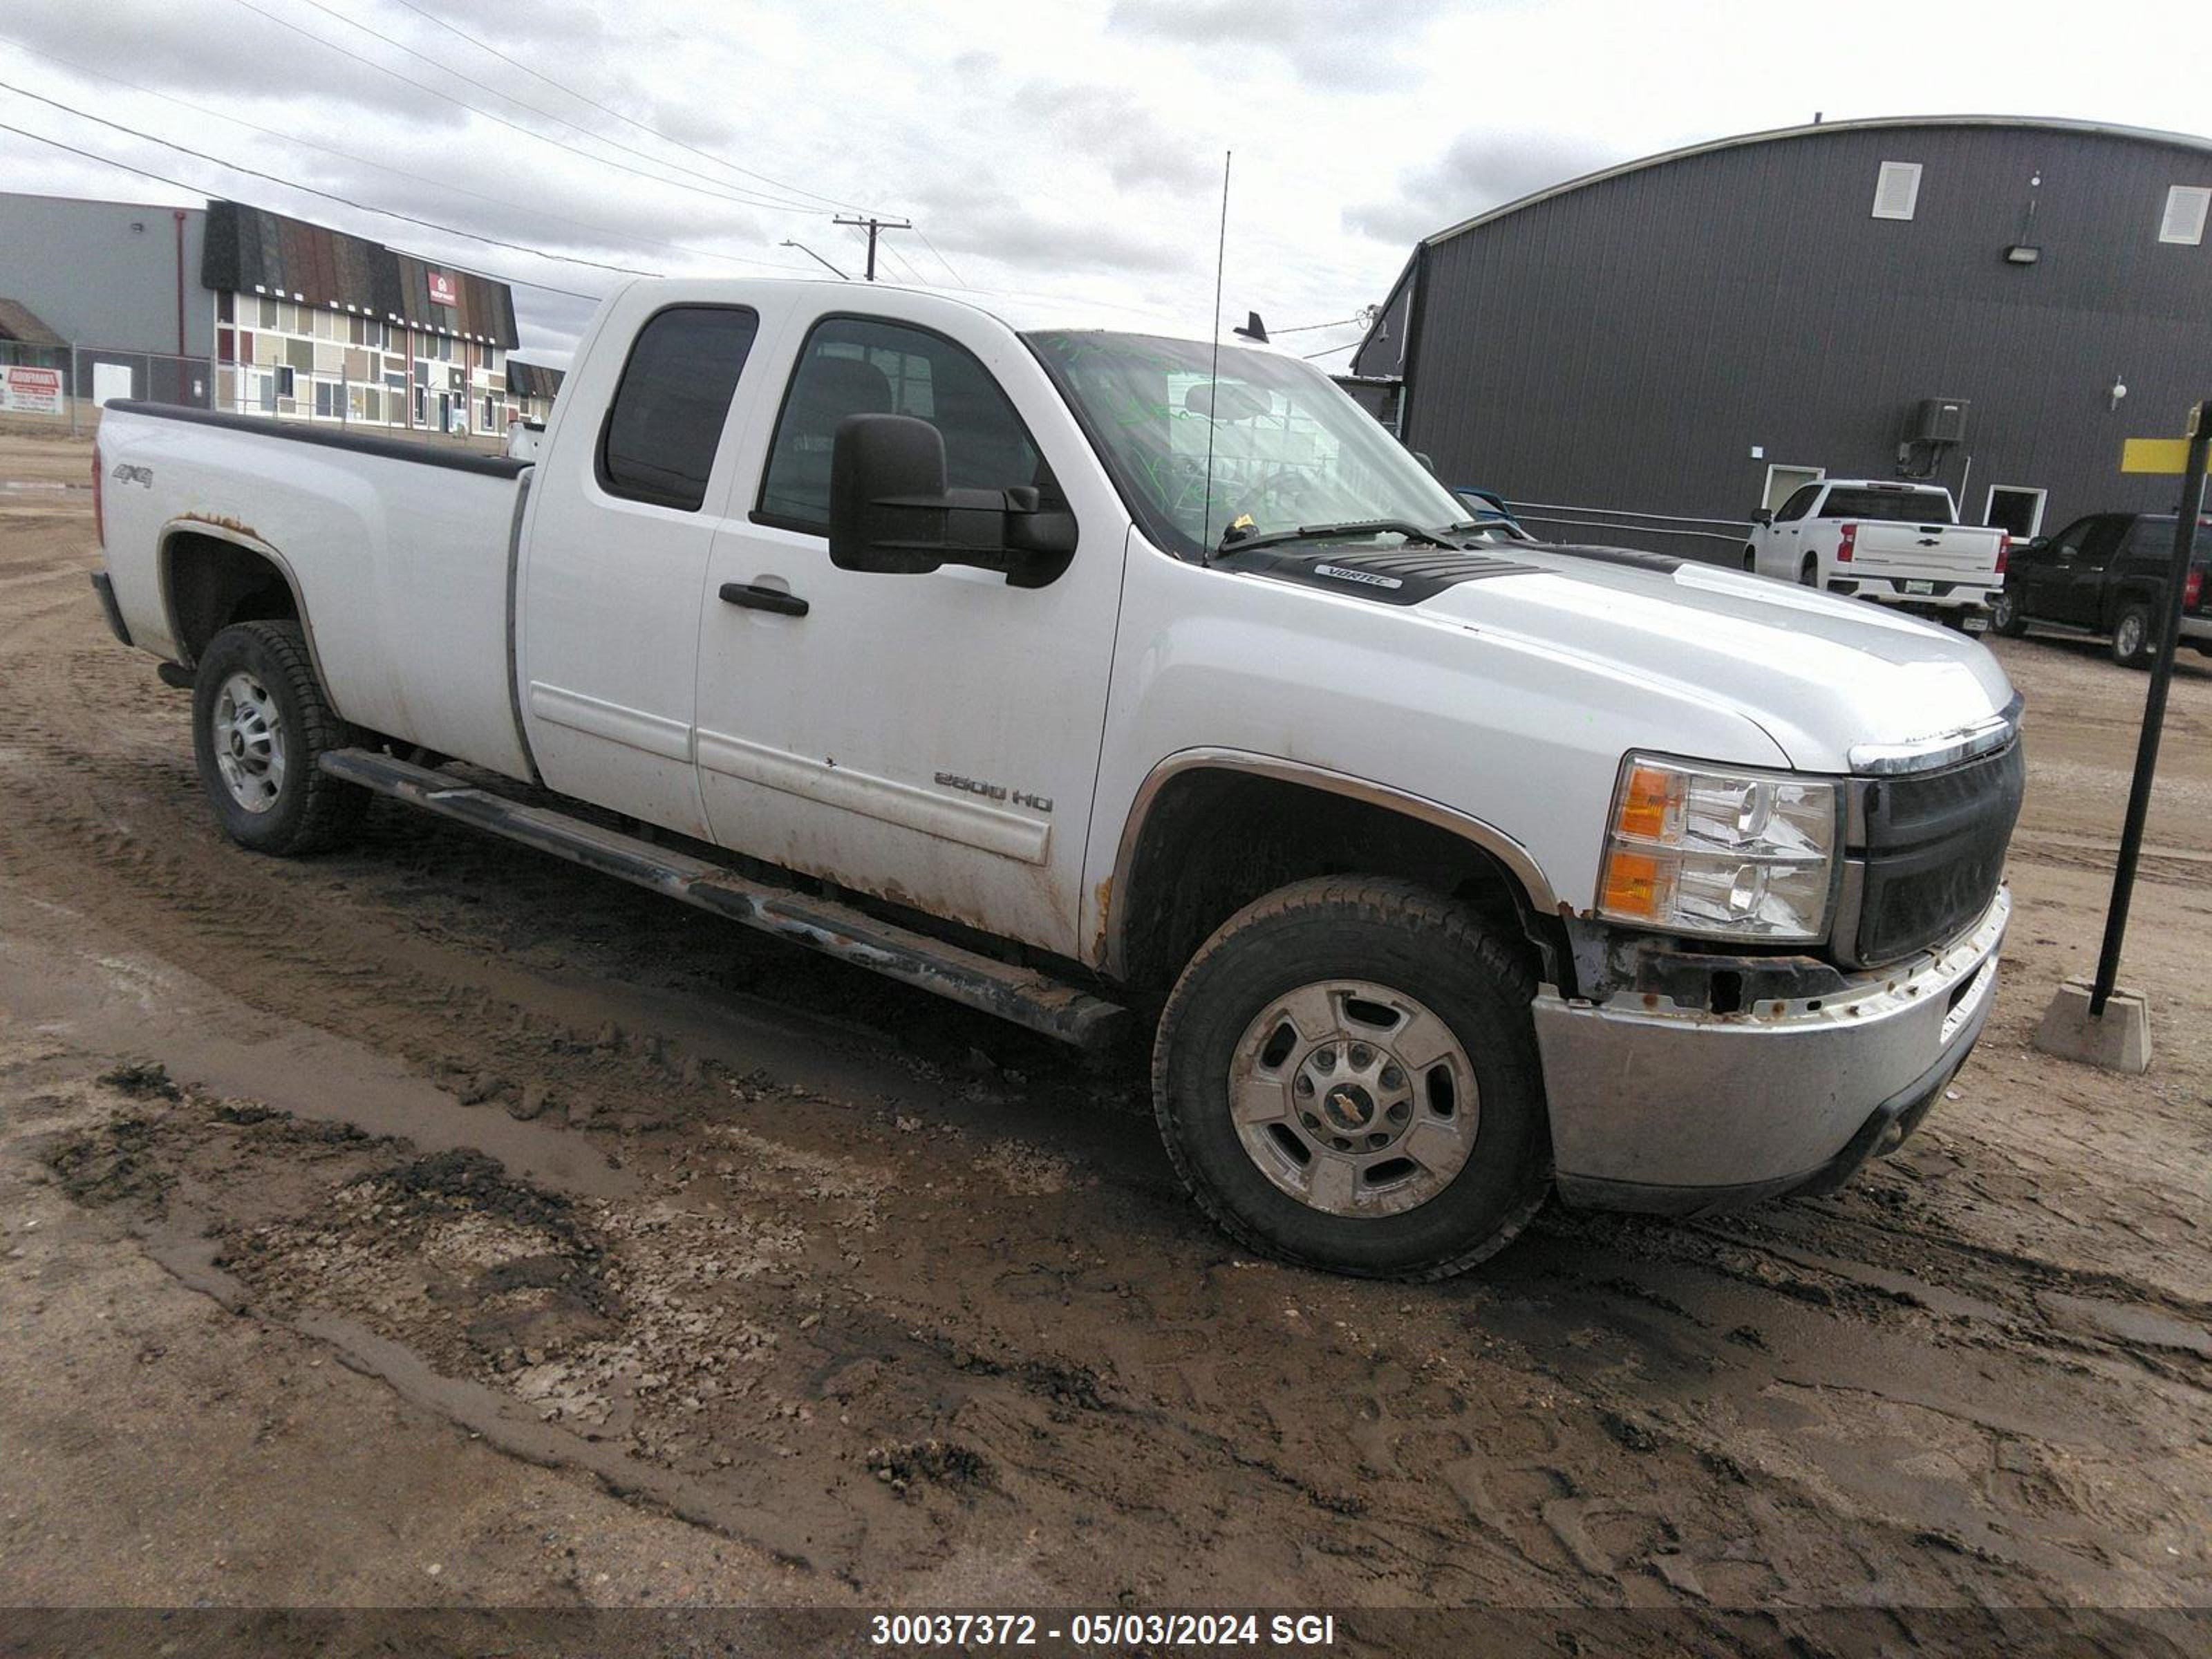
(930, 739)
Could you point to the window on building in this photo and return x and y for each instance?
(1897, 191)
(853, 365)
(285, 381)
(666, 420)
(2184, 220)
(225, 303)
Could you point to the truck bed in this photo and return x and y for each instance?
(400, 555)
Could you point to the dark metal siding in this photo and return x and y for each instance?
(1624, 344)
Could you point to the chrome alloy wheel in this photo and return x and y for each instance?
(2128, 637)
(249, 741)
(1354, 1098)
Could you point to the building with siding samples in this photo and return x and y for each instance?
(237, 308)
(1647, 354)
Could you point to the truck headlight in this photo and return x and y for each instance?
(1741, 855)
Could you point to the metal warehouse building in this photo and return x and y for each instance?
(240, 309)
(1663, 347)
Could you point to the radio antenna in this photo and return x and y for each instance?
(1213, 374)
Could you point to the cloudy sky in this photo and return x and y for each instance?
(1067, 152)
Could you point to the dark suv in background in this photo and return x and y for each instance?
(2106, 574)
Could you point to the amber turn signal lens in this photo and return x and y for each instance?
(1643, 804)
(1632, 885)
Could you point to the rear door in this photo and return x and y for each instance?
(625, 515)
(931, 738)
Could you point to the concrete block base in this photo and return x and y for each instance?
(2119, 1041)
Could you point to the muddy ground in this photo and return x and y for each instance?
(440, 1224)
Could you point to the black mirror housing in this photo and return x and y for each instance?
(891, 512)
(1764, 516)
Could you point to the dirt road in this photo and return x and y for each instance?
(491, 1232)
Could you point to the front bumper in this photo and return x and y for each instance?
(1661, 1108)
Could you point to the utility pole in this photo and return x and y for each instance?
(873, 225)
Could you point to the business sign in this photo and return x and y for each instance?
(31, 390)
(444, 290)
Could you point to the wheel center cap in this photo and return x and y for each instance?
(1348, 1107)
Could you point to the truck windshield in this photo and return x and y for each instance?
(1888, 505)
(1289, 448)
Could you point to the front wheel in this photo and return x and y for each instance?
(260, 725)
(1751, 561)
(2131, 643)
(1347, 1077)
(2005, 615)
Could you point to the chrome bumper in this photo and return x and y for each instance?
(1657, 1107)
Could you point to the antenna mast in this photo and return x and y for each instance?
(1213, 374)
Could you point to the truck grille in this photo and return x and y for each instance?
(1935, 852)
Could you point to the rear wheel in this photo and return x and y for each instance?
(2005, 617)
(1347, 1077)
(260, 724)
(2131, 640)
(1810, 573)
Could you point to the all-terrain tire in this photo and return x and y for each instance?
(2005, 615)
(305, 810)
(2132, 644)
(1422, 946)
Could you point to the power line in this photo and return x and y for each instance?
(1308, 328)
(347, 201)
(194, 190)
(363, 161)
(721, 192)
(1331, 351)
(485, 46)
(956, 276)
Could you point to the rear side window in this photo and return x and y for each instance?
(854, 366)
(666, 420)
(1888, 505)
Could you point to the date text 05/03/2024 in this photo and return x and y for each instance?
(1172, 1630)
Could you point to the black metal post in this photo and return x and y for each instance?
(2161, 677)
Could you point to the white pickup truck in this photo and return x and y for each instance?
(1066, 674)
(1896, 543)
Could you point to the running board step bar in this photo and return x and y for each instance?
(1023, 995)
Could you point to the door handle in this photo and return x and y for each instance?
(757, 597)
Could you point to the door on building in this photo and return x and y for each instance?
(1783, 481)
(2016, 508)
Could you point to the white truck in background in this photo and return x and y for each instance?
(1874, 539)
(1114, 683)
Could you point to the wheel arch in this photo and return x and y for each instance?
(213, 574)
(1212, 830)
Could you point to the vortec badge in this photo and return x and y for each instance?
(1367, 576)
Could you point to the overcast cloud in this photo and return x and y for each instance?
(1067, 153)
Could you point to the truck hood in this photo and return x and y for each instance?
(1821, 675)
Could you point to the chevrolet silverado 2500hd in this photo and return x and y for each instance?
(1057, 673)
(1895, 544)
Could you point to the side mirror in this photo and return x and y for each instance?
(1764, 517)
(890, 511)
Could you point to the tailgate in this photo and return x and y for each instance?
(1937, 552)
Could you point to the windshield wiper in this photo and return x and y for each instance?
(1323, 532)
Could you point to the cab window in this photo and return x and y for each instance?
(1799, 504)
(858, 366)
(665, 422)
